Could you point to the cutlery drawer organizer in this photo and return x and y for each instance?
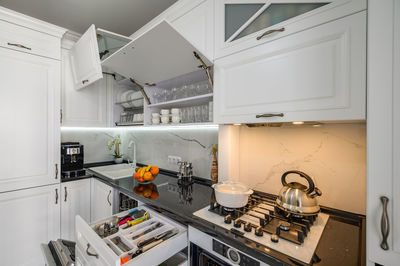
(151, 241)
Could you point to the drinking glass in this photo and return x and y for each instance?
(197, 113)
(190, 114)
(174, 93)
(204, 113)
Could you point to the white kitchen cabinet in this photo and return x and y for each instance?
(29, 217)
(89, 107)
(86, 55)
(101, 202)
(30, 116)
(383, 131)
(314, 75)
(75, 200)
(242, 24)
(196, 24)
(93, 250)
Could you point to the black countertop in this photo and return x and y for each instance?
(342, 243)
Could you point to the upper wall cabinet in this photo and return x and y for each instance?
(314, 75)
(87, 54)
(159, 54)
(241, 24)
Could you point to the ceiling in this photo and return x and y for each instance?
(119, 16)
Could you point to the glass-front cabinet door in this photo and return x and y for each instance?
(241, 24)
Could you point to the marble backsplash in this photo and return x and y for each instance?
(153, 145)
(334, 155)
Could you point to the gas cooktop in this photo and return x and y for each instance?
(263, 222)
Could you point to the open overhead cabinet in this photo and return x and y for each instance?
(159, 54)
(88, 52)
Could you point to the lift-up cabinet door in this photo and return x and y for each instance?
(159, 54)
(88, 52)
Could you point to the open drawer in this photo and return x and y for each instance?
(94, 46)
(133, 242)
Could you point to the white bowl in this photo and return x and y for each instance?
(165, 120)
(175, 111)
(164, 111)
(155, 121)
(176, 119)
(155, 115)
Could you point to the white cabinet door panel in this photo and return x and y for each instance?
(383, 131)
(86, 67)
(101, 200)
(314, 75)
(197, 26)
(86, 107)
(75, 200)
(29, 112)
(29, 217)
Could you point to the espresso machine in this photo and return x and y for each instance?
(71, 160)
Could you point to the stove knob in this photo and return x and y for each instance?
(228, 219)
(237, 223)
(274, 238)
(259, 231)
(247, 227)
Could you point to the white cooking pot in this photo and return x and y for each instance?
(232, 194)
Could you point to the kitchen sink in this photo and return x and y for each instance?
(115, 171)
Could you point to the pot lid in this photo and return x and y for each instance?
(231, 187)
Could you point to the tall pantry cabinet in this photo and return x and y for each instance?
(30, 54)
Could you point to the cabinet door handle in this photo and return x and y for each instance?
(66, 193)
(268, 32)
(90, 253)
(270, 115)
(385, 227)
(56, 196)
(56, 170)
(85, 81)
(19, 45)
(108, 197)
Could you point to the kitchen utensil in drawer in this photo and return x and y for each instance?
(120, 244)
(148, 230)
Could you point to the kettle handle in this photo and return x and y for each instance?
(311, 185)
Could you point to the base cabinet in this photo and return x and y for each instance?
(101, 202)
(28, 218)
(314, 75)
(75, 200)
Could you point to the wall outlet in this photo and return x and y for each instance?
(174, 159)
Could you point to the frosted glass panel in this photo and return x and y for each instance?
(277, 13)
(236, 15)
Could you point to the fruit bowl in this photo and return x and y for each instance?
(146, 174)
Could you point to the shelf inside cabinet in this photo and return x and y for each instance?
(127, 124)
(190, 101)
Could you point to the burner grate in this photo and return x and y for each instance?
(261, 213)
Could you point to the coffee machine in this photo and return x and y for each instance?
(71, 160)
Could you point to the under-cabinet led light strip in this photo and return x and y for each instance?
(143, 128)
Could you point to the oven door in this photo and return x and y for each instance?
(200, 257)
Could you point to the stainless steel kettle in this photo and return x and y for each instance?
(296, 198)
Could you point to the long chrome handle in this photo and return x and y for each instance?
(108, 197)
(91, 254)
(270, 115)
(19, 45)
(56, 170)
(268, 32)
(385, 226)
(65, 195)
(56, 195)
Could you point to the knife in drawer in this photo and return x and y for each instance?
(153, 227)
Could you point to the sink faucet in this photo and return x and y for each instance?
(132, 143)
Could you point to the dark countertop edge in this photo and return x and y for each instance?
(272, 257)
